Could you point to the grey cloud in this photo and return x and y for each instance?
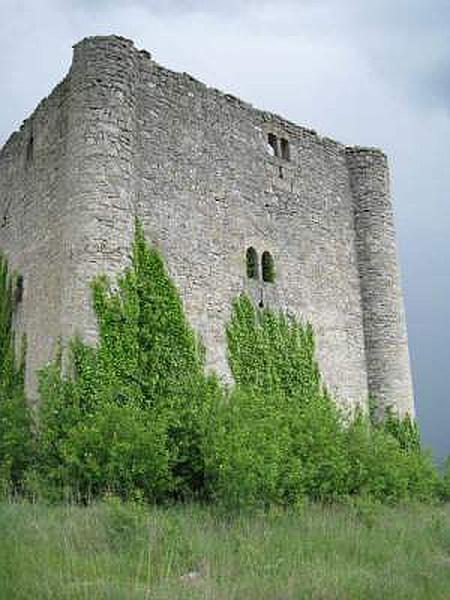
(177, 7)
(409, 43)
(437, 82)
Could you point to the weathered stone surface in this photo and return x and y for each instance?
(121, 136)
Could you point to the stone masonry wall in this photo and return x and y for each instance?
(209, 190)
(192, 162)
(32, 203)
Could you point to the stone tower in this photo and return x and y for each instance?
(214, 182)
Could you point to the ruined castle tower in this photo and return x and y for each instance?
(226, 192)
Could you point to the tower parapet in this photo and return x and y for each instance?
(386, 345)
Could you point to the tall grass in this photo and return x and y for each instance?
(123, 551)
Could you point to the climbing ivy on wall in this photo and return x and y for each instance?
(281, 437)
(15, 420)
(270, 352)
(129, 416)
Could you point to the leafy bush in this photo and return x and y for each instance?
(130, 414)
(15, 418)
(387, 461)
(444, 483)
(280, 437)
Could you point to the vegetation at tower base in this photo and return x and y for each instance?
(129, 417)
(282, 438)
(15, 419)
(138, 416)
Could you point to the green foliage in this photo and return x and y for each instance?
(138, 417)
(129, 415)
(280, 437)
(270, 352)
(15, 420)
(405, 431)
(91, 445)
(444, 484)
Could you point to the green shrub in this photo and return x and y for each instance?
(15, 418)
(119, 450)
(130, 413)
(280, 437)
(444, 483)
(247, 450)
(387, 461)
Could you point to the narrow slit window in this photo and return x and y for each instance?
(272, 144)
(252, 263)
(19, 289)
(285, 149)
(268, 267)
(30, 148)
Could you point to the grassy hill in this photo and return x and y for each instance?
(125, 551)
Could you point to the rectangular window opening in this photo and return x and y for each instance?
(272, 144)
(30, 149)
(285, 149)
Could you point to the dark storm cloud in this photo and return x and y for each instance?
(371, 72)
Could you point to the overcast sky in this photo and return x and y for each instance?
(369, 72)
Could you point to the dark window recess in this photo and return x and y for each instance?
(272, 144)
(268, 267)
(280, 173)
(278, 147)
(30, 148)
(285, 150)
(251, 257)
(19, 289)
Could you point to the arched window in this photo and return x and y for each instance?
(251, 257)
(268, 267)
